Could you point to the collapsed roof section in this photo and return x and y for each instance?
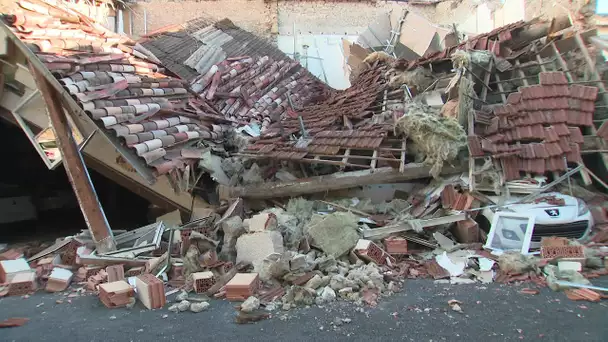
(244, 77)
(121, 86)
(192, 48)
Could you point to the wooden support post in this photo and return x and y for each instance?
(75, 168)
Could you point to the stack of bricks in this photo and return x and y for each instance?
(116, 294)
(203, 281)
(242, 286)
(151, 291)
(395, 245)
(369, 251)
(22, 284)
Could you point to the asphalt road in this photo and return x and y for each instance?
(419, 313)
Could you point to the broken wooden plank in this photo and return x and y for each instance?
(75, 168)
(336, 181)
(409, 225)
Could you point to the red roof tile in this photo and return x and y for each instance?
(553, 78)
(475, 148)
(576, 136)
(584, 92)
(514, 98)
(602, 132)
(574, 156)
(551, 134)
(561, 129)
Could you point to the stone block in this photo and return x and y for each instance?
(335, 234)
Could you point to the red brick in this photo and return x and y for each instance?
(551, 252)
(151, 291)
(395, 245)
(116, 294)
(203, 281)
(115, 273)
(369, 251)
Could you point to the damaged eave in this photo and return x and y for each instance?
(72, 107)
(336, 181)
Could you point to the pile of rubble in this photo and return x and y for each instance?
(341, 195)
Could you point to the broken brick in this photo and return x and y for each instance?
(115, 273)
(369, 251)
(203, 281)
(59, 279)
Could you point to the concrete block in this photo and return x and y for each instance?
(569, 266)
(255, 247)
(261, 222)
(335, 234)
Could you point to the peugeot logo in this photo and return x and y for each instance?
(552, 212)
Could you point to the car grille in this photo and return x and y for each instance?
(574, 230)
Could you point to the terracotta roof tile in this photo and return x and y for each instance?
(574, 156)
(121, 85)
(475, 148)
(584, 92)
(553, 78)
(576, 136)
(561, 129)
(514, 98)
(551, 134)
(602, 132)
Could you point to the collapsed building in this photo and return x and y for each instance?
(465, 140)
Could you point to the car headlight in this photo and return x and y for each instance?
(582, 207)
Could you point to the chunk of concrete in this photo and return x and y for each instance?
(252, 303)
(261, 222)
(256, 247)
(335, 234)
(233, 228)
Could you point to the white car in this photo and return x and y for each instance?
(572, 220)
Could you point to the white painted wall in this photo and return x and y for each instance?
(331, 67)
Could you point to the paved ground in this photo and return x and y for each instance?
(419, 313)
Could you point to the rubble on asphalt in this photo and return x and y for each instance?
(359, 242)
